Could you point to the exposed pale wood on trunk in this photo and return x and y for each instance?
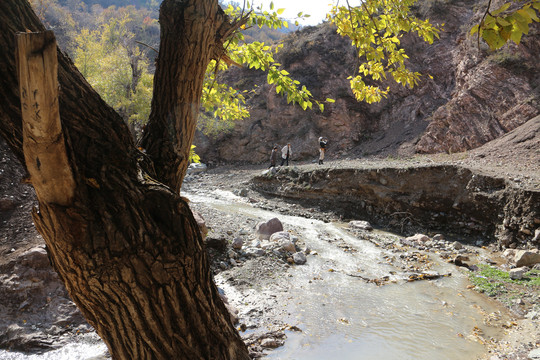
(43, 141)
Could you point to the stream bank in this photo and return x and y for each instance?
(521, 332)
(252, 282)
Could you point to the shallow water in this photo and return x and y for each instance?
(344, 317)
(76, 351)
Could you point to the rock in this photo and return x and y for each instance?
(202, 224)
(536, 237)
(518, 273)
(255, 252)
(244, 192)
(218, 244)
(279, 236)
(287, 246)
(526, 258)
(270, 343)
(195, 168)
(509, 253)
(233, 312)
(36, 258)
(223, 265)
(264, 229)
(417, 238)
(7, 204)
(299, 258)
(438, 237)
(457, 245)
(237, 243)
(459, 260)
(534, 354)
(533, 315)
(360, 224)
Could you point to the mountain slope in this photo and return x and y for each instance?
(474, 97)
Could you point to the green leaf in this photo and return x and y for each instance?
(271, 5)
(330, 100)
(503, 22)
(515, 36)
(280, 11)
(501, 9)
(493, 39)
(321, 107)
(532, 14)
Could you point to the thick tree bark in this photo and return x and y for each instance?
(126, 246)
(181, 60)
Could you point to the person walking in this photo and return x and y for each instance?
(274, 156)
(322, 149)
(286, 153)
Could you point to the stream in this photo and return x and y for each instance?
(341, 315)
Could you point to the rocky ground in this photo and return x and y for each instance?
(36, 314)
(522, 334)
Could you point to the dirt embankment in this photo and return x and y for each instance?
(407, 197)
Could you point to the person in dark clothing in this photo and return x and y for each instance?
(322, 149)
(286, 153)
(274, 156)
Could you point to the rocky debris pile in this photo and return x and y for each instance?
(37, 313)
(268, 239)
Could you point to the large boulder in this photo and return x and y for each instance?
(265, 229)
(526, 258)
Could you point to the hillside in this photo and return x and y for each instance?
(474, 97)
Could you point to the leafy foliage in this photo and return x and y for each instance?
(508, 22)
(375, 29)
(116, 67)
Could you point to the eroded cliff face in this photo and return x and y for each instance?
(444, 197)
(474, 97)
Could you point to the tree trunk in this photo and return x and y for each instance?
(126, 246)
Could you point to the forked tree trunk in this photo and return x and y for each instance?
(126, 246)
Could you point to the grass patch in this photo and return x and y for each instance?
(494, 282)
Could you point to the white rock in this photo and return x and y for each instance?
(418, 238)
(195, 168)
(280, 235)
(534, 354)
(360, 224)
(517, 273)
(509, 253)
(536, 237)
